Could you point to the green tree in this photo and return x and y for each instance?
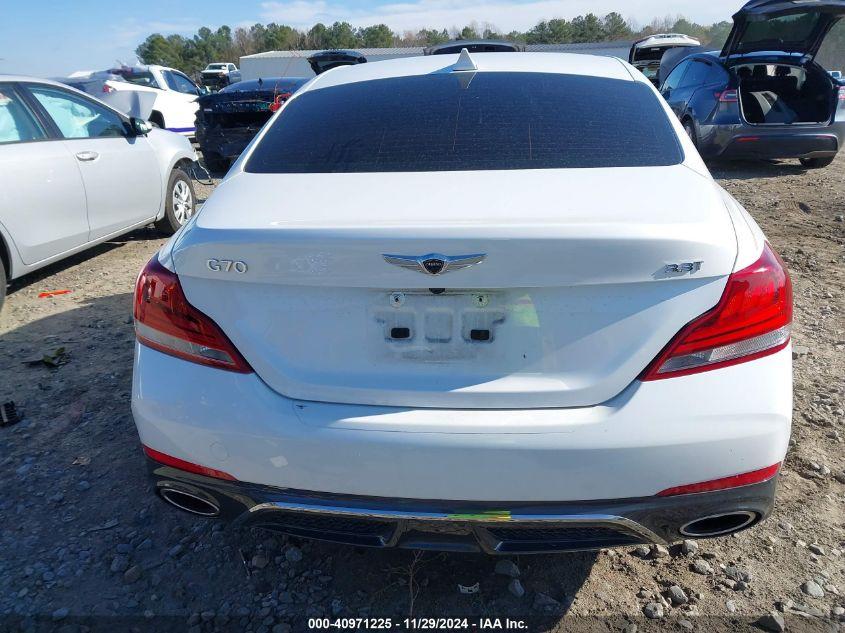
(468, 33)
(376, 36)
(587, 28)
(615, 27)
(317, 36)
(341, 35)
(556, 31)
(166, 51)
(717, 34)
(431, 37)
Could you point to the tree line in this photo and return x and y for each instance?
(191, 54)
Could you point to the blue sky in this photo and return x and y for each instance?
(56, 38)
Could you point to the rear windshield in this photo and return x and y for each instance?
(469, 121)
(781, 33)
(138, 77)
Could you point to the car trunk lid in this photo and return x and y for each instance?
(791, 26)
(576, 293)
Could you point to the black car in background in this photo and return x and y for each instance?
(474, 46)
(228, 120)
(326, 60)
(763, 95)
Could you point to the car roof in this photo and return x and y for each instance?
(557, 63)
(31, 80)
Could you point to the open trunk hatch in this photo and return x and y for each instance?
(782, 94)
(791, 26)
(568, 299)
(646, 54)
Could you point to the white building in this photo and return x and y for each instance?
(295, 63)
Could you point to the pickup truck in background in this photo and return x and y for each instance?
(219, 75)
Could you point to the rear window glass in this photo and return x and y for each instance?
(783, 32)
(138, 77)
(467, 122)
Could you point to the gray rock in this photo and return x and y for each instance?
(132, 574)
(337, 607)
(653, 610)
(677, 595)
(808, 610)
(516, 588)
(119, 564)
(772, 622)
(641, 551)
(686, 625)
(659, 551)
(174, 551)
(816, 549)
(293, 554)
(738, 574)
(60, 614)
(689, 547)
(545, 602)
(812, 589)
(207, 616)
(507, 567)
(799, 351)
(702, 567)
(730, 605)
(631, 628)
(259, 561)
(83, 485)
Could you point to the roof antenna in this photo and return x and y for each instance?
(464, 62)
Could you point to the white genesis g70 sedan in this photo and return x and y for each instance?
(478, 303)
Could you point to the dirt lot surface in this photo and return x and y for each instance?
(84, 544)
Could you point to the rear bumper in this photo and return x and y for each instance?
(471, 526)
(759, 141)
(652, 436)
(225, 142)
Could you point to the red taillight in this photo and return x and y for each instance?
(735, 481)
(842, 93)
(728, 96)
(751, 320)
(189, 467)
(164, 320)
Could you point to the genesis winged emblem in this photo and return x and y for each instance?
(434, 263)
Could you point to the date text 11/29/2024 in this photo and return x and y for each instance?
(418, 624)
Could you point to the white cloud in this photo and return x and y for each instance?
(505, 15)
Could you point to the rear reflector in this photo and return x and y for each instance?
(165, 321)
(734, 481)
(188, 467)
(728, 96)
(751, 320)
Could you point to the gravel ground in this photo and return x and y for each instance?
(85, 545)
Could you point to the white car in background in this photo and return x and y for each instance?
(74, 173)
(469, 323)
(165, 96)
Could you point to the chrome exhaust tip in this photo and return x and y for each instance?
(719, 524)
(189, 502)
